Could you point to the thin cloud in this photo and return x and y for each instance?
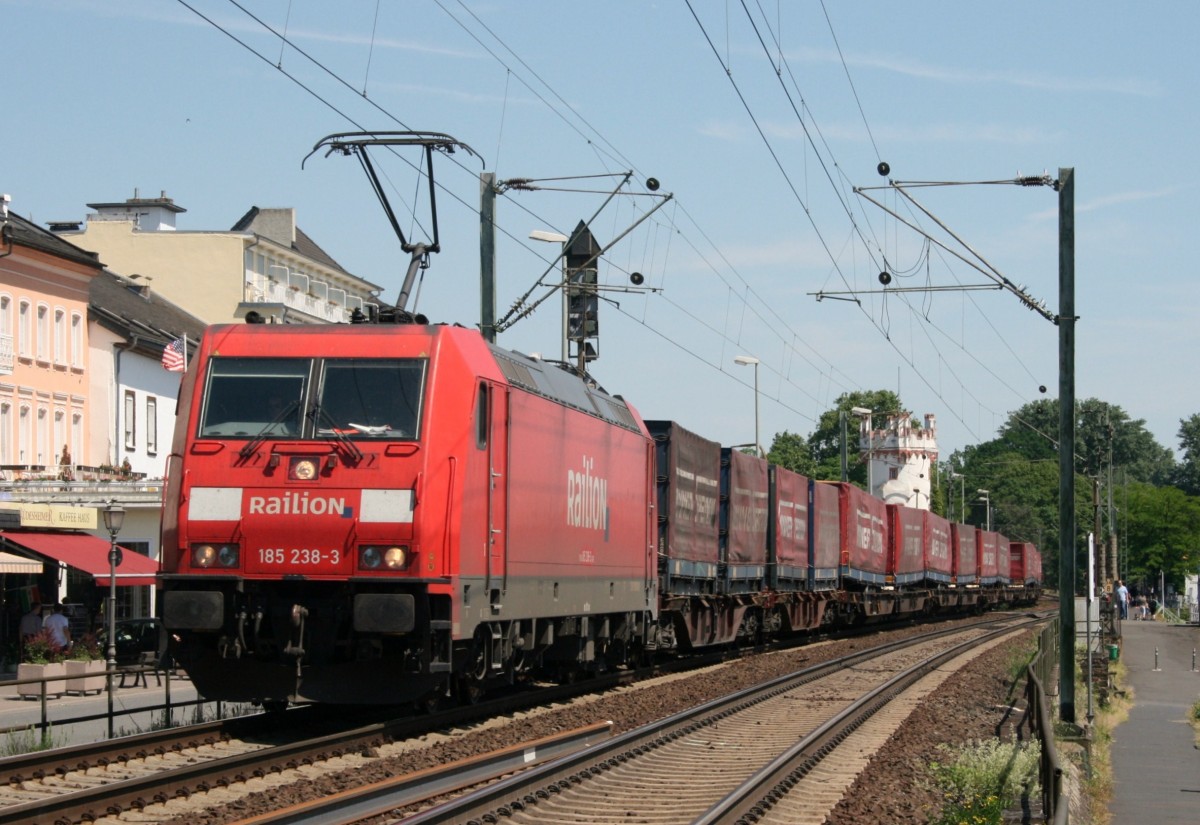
(1115, 199)
(961, 76)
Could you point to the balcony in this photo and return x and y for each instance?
(77, 484)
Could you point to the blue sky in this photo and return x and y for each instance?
(761, 149)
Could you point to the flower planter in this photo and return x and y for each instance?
(54, 672)
(83, 677)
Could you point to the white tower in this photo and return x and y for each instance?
(900, 454)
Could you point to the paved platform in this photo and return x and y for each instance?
(1156, 763)
(130, 714)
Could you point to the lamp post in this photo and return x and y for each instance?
(865, 414)
(917, 496)
(962, 494)
(114, 517)
(750, 360)
(985, 497)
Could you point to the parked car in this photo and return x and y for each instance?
(135, 637)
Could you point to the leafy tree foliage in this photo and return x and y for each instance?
(1188, 476)
(825, 443)
(1163, 534)
(791, 451)
(1104, 435)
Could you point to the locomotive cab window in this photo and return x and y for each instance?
(254, 397)
(371, 397)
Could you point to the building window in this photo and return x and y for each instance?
(25, 433)
(23, 330)
(43, 438)
(60, 435)
(60, 336)
(6, 433)
(152, 425)
(130, 417)
(893, 473)
(43, 332)
(5, 315)
(77, 435)
(76, 340)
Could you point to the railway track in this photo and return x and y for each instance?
(768, 754)
(93, 782)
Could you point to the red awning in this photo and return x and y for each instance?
(87, 553)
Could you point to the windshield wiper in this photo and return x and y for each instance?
(318, 414)
(253, 444)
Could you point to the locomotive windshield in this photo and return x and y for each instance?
(313, 398)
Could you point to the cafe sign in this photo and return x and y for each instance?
(48, 516)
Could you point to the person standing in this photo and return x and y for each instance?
(1122, 599)
(31, 624)
(59, 627)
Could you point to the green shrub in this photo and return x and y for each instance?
(981, 780)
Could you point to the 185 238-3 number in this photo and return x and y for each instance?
(299, 556)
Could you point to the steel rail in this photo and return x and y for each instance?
(523, 789)
(380, 797)
(762, 790)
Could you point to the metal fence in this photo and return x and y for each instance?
(1039, 674)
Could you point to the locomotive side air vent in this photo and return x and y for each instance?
(517, 373)
(621, 414)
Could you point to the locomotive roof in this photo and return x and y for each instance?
(552, 381)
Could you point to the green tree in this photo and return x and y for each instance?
(790, 450)
(1104, 435)
(825, 442)
(1163, 528)
(1187, 477)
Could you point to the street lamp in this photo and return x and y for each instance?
(114, 517)
(745, 361)
(917, 496)
(559, 238)
(962, 494)
(987, 503)
(864, 413)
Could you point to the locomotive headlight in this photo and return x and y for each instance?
(303, 469)
(215, 555)
(393, 557)
(203, 555)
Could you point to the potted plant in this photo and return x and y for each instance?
(43, 660)
(85, 666)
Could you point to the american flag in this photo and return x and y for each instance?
(173, 357)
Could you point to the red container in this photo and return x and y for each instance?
(746, 500)
(1003, 559)
(825, 519)
(864, 535)
(689, 473)
(789, 513)
(1025, 565)
(906, 544)
(989, 544)
(964, 550)
(939, 566)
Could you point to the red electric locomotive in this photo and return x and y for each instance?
(381, 512)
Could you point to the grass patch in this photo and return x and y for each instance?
(981, 780)
(29, 740)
